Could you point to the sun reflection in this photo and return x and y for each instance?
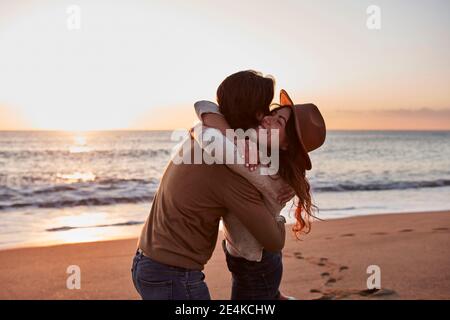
(79, 235)
(86, 219)
(86, 227)
(77, 177)
(78, 149)
(83, 225)
(80, 146)
(80, 140)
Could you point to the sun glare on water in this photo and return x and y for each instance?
(81, 227)
(79, 140)
(77, 177)
(80, 144)
(86, 225)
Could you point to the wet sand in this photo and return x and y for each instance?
(412, 251)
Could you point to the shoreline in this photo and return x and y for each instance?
(119, 238)
(329, 263)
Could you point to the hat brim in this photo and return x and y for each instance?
(285, 100)
(305, 159)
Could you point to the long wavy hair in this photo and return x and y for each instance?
(293, 171)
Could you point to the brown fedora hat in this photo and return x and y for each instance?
(309, 124)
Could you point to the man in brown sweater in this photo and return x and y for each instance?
(181, 231)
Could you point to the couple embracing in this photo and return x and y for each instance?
(181, 231)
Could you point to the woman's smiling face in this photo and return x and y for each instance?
(277, 120)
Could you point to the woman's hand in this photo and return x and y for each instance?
(285, 194)
(251, 167)
(250, 152)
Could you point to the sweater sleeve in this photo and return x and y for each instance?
(246, 203)
(219, 148)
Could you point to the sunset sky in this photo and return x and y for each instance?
(142, 64)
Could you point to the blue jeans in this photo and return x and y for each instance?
(253, 280)
(158, 281)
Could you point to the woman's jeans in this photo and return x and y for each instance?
(157, 281)
(255, 280)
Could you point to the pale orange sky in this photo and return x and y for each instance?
(142, 64)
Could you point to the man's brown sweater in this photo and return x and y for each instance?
(183, 224)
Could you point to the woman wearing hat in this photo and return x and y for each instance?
(257, 273)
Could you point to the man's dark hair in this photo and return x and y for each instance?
(243, 96)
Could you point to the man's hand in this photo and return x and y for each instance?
(285, 194)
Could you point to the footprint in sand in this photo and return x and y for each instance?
(379, 233)
(331, 271)
(298, 255)
(348, 294)
(322, 262)
(377, 292)
(440, 229)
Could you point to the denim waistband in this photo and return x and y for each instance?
(141, 253)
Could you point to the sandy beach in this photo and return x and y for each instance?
(411, 250)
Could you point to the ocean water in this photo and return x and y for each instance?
(60, 187)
